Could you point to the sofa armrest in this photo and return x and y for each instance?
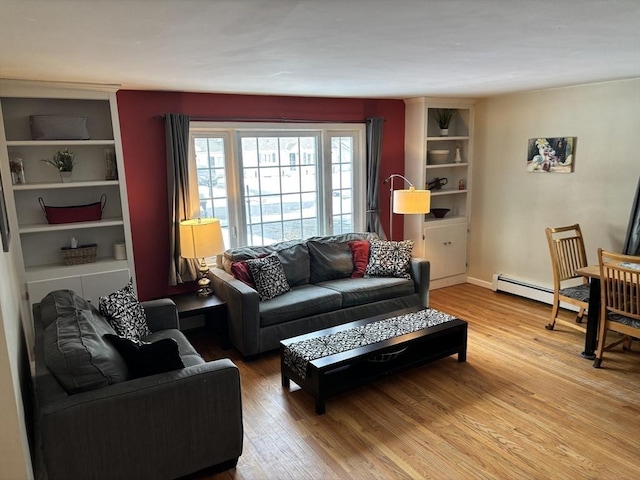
(421, 274)
(162, 314)
(243, 310)
(161, 426)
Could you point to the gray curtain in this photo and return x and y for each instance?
(181, 270)
(374, 153)
(632, 240)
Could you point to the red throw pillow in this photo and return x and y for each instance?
(360, 254)
(240, 270)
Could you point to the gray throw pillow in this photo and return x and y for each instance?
(269, 276)
(295, 262)
(389, 259)
(330, 261)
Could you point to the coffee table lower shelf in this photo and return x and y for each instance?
(328, 376)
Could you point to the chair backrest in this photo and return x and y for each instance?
(566, 246)
(620, 283)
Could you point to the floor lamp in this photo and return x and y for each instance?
(201, 238)
(406, 202)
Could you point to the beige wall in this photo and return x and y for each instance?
(511, 208)
(15, 461)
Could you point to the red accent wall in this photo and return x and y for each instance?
(143, 143)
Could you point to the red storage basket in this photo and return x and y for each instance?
(77, 213)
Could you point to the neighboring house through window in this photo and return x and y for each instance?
(273, 182)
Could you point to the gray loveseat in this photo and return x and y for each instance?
(322, 293)
(161, 426)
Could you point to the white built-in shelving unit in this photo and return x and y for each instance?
(36, 243)
(443, 241)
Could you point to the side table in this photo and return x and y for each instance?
(212, 307)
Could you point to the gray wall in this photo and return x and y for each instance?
(511, 207)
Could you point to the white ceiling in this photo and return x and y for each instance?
(343, 48)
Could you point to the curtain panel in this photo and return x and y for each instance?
(181, 270)
(374, 154)
(632, 238)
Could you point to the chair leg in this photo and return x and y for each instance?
(554, 314)
(627, 343)
(602, 341)
(580, 316)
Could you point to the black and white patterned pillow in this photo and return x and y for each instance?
(125, 314)
(269, 276)
(389, 259)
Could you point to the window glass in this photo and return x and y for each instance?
(279, 183)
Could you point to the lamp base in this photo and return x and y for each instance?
(205, 292)
(203, 281)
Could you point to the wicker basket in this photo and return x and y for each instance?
(80, 255)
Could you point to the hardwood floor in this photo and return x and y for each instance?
(525, 405)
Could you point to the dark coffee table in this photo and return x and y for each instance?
(338, 372)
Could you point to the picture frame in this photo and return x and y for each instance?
(551, 155)
(4, 221)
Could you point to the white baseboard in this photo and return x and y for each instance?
(447, 282)
(480, 283)
(525, 289)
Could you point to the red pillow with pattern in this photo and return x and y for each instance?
(360, 254)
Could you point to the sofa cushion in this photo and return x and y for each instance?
(389, 259)
(296, 264)
(302, 301)
(148, 358)
(329, 261)
(344, 237)
(188, 353)
(359, 291)
(360, 254)
(124, 313)
(74, 348)
(268, 276)
(293, 255)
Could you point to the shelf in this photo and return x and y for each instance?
(446, 165)
(445, 220)
(445, 139)
(56, 185)
(45, 227)
(57, 143)
(41, 272)
(444, 191)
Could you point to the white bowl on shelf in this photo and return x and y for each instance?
(438, 157)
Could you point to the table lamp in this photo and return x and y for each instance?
(201, 238)
(406, 202)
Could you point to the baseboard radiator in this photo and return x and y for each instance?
(504, 283)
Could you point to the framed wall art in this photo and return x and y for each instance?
(551, 155)
(4, 221)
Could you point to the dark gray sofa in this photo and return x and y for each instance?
(313, 302)
(161, 426)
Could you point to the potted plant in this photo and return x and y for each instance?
(443, 117)
(64, 161)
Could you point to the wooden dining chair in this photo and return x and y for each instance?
(566, 246)
(620, 300)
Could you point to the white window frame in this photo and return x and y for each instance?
(231, 133)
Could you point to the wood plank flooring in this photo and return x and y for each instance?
(525, 405)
